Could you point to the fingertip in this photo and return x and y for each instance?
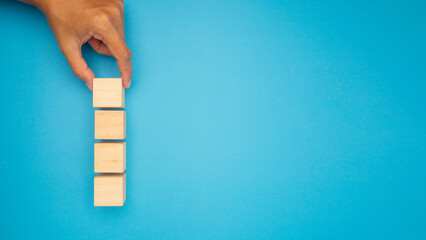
(127, 84)
(126, 81)
(90, 86)
(88, 79)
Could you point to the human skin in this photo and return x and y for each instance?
(98, 22)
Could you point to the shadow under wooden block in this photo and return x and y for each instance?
(110, 124)
(110, 157)
(110, 189)
(108, 93)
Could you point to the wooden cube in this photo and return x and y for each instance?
(110, 124)
(110, 157)
(110, 189)
(108, 93)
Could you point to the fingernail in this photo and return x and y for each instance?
(89, 86)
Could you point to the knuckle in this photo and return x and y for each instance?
(102, 18)
(127, 73)
(62, 48)
(120, 5)
(76, 68)
(65, 49)
(115, 11)
(63, 45)
(77, 73)
(127, 54)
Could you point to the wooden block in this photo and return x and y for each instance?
(110, 157)
(110, 189)
(110, 124)
(108, 93)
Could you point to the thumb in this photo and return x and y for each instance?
(72, 53)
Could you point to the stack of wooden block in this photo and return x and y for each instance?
(110, 156)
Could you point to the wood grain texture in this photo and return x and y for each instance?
(110, 157)
(110, 189)
(108, 93)
(110, 124)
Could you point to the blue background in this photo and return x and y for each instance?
(246, 120)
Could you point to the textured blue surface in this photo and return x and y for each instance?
(246, 120)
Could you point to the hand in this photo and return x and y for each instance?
(99, 22)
